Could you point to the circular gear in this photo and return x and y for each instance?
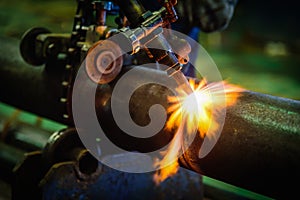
(104, 61)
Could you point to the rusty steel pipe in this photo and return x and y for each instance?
(258, 148)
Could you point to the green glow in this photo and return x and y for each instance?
(233, 189)
(7, 112)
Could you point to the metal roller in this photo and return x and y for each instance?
(104, 61)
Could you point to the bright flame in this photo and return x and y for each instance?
(191, 112)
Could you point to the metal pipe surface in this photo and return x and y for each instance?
(258, 148)
(29, 88)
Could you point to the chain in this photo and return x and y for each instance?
(81, 20)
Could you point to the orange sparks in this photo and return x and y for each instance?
(197, 111)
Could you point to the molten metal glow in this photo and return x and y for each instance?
(197, 111)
